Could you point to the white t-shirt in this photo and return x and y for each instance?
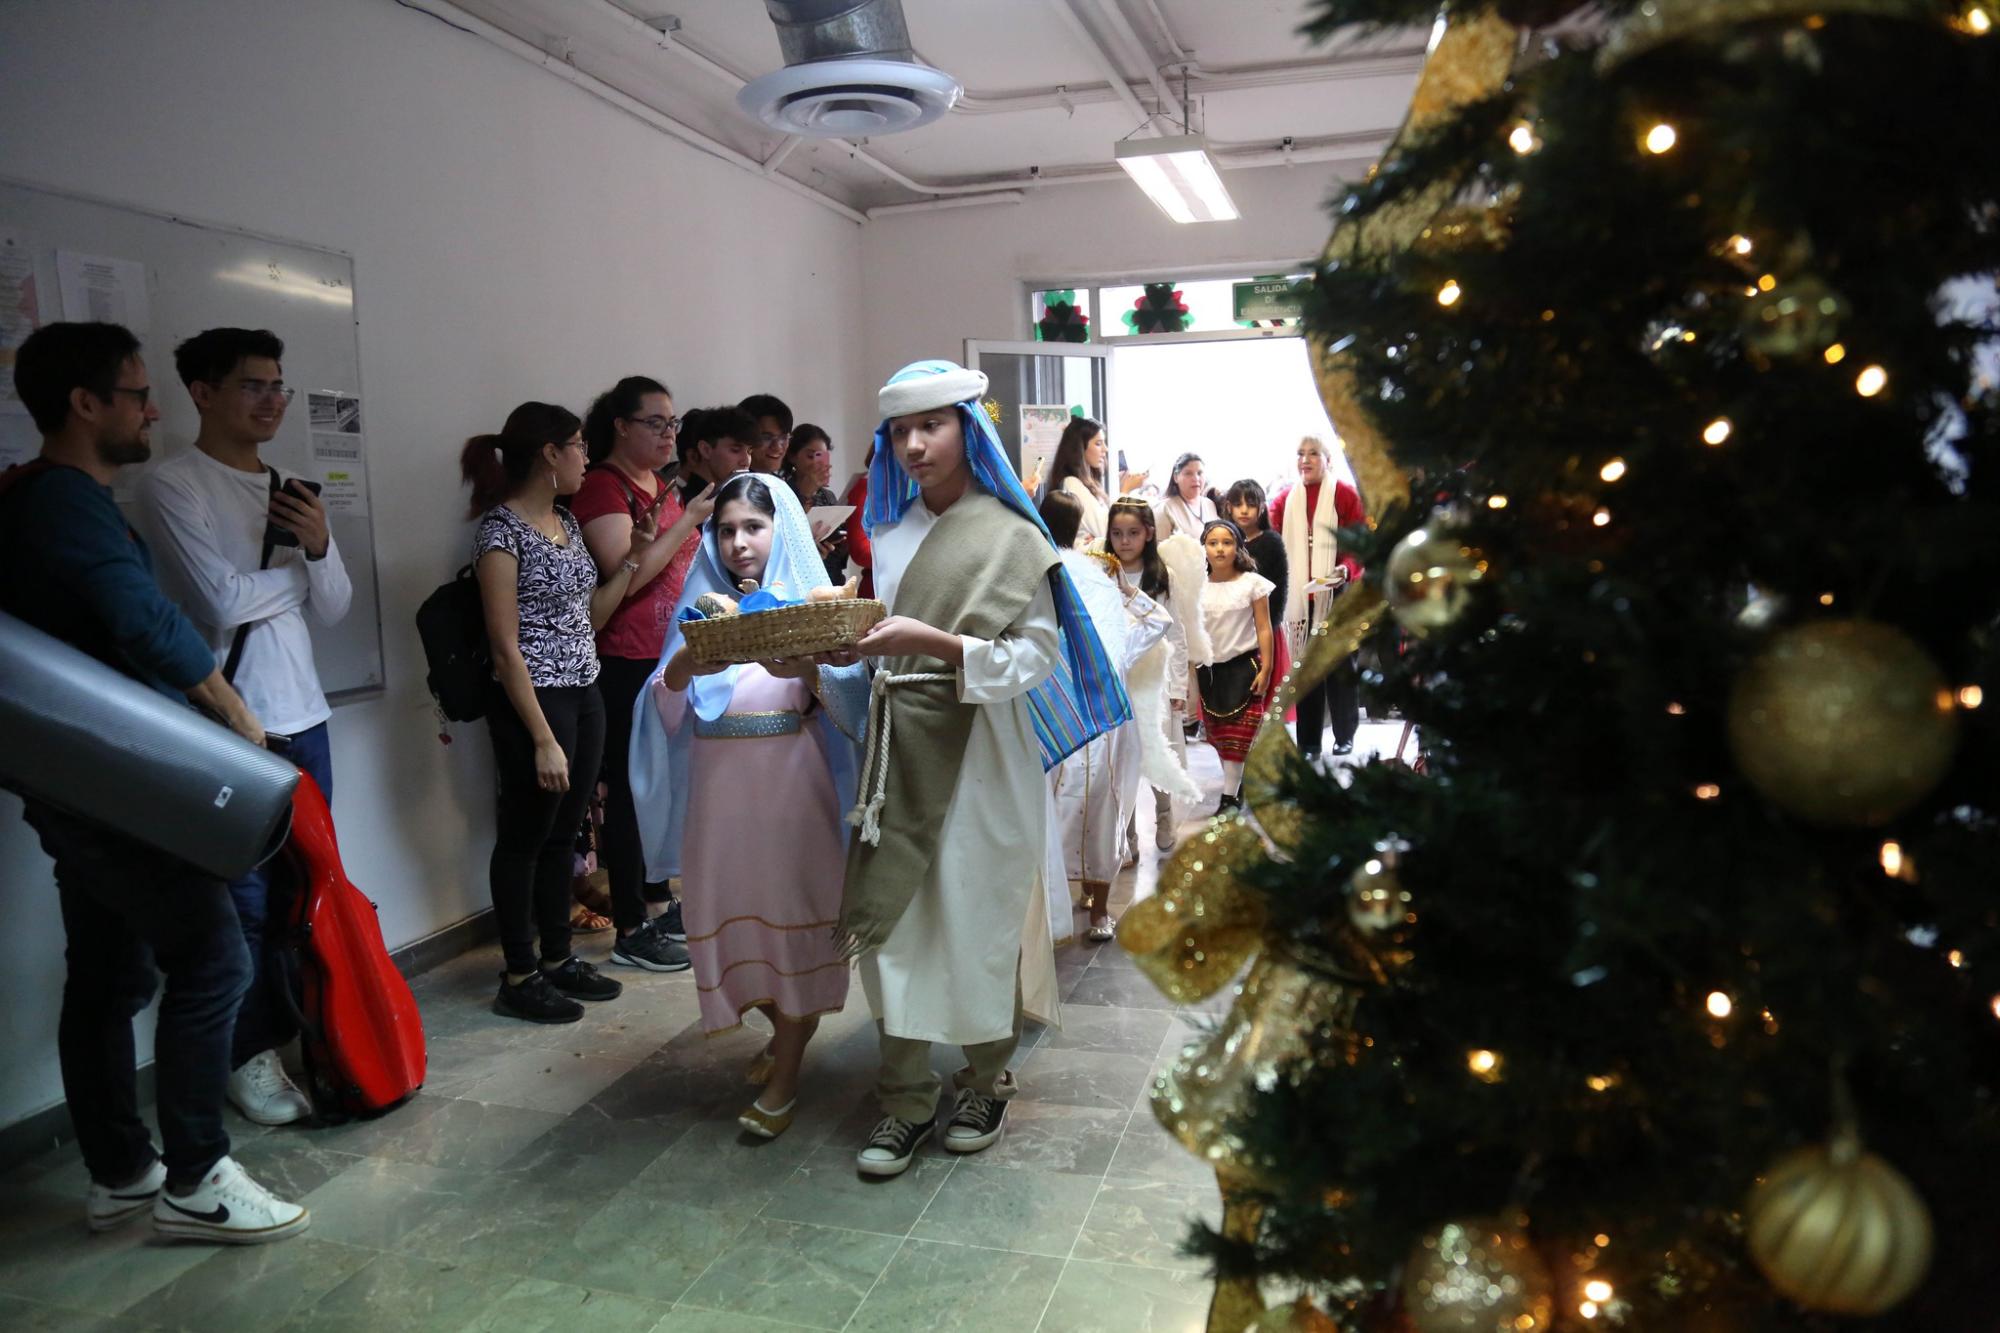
(205, 521)
(1227, 610)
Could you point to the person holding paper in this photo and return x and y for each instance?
(246, 553)
(808, 466)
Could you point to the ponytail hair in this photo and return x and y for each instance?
(621, 400)
(497, 466)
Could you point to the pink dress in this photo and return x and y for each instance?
(762, 860)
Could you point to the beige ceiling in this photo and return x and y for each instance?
(1039, 79)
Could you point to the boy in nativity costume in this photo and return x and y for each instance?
(986, 674)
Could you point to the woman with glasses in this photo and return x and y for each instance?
(543, 603)
(630, 433)
(808, 467)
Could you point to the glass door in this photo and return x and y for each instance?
(1073, 376)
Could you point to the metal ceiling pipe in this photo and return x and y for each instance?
(840, 30)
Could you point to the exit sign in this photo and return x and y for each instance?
(1270, 298)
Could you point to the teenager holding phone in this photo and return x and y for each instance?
(630, 433)
(245, 550)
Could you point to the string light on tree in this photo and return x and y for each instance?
(1660, 138)
(1835, 354)
(1970, 696)
(1719, 1005)
(1486, 1066)
(1449, 293)
(1522, 138)
(1613, 470)
(1871, 381)
(1717, 431)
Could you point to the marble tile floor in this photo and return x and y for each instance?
(592, 1176)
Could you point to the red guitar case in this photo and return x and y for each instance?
(360, 1031)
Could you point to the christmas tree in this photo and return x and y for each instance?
(1666, 996)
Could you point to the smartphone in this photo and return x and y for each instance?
(277, 536)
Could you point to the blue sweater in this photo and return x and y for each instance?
(71, 566)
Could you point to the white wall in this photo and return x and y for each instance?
(936, 279)
(513, 238)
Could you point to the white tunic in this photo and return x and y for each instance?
(946, 972)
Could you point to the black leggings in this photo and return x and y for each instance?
(534, 843)
(623, 853)
(1339, 695)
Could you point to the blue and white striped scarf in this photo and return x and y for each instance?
(1085, 698)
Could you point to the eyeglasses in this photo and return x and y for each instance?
(769, 440)
(256, 389)
(658, 425)
(144, 395)
(575, 442)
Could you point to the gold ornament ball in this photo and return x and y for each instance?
(1838, 1229)
(1797, 319)
(1376, 898)
(1433, 576)
(1477, 1276)
(1843, 722)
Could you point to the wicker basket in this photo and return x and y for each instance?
(787, 631)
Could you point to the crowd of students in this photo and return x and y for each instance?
(1017, 637)
(1220, 593)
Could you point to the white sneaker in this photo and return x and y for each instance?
(106, 1207)
(265, 1093)
(228, 1208)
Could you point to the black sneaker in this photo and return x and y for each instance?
(580, 981)
(1229, 803)
(1344, 747)
(649, 947)
(893, 1146)
(535, 1000)
(976, 1122)
(668, 923)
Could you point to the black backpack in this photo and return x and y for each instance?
(452, 625)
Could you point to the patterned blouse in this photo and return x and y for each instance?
(554, 587)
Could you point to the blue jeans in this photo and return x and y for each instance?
(265, 1022)
(128, 910)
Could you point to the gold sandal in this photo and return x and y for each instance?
(759, 1071)
(767, 1124)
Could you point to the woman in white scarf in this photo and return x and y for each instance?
(1309, 516)
(1185, 508)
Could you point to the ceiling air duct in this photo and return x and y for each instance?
(849, 72)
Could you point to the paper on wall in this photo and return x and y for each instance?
(339, 450)
(96, 287)
(20, 315)
(1041, 431)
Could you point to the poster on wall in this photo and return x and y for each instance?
(20, 311)
(1041, 431)
(96, 287)
(333, 420)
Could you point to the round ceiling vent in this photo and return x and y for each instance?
(848, 99)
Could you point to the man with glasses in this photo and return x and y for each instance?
(73, 568)
(774, 431)
(246, 553)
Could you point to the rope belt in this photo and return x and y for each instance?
(874, 788)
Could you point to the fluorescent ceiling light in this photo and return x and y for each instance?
(1177, 175)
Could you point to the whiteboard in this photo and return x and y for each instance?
(168, 279)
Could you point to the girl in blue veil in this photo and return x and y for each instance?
(742, 777)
